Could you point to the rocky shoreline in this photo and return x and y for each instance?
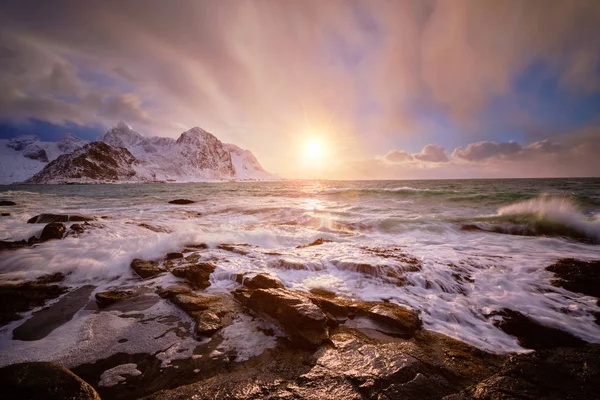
(305, 345)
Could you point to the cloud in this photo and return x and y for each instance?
(126, 107)
(432, 153)
(398, 156)
(263, 73)
(483, 150)
(574, 153)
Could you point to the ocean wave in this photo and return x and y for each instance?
(542, 216)
(407, 190)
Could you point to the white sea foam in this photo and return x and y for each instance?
(464, 276)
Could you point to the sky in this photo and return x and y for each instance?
(390, 89)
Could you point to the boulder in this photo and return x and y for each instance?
(105, 299)
(181, 201)
(577, 276)
(173, 256)
(405, 321)
(5, 214)
(317, 242)
(43, 381)
(210, 313)
(305, 323)
(49, 218)
(198, 275)
(54, 230)
(7, 203)
(554, 374)
(261, 281)
(533, 335)
(146, 269)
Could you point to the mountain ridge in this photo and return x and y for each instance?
(195, 156)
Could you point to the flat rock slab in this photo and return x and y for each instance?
(532, 334)
(48, 218)
(43, 322)
(305, 323)
(43, 381)
(26, 296)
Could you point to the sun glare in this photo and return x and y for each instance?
(313, 149)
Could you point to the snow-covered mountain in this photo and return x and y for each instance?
(195, 156)
(94, 162)
(22, 157)
(245, 164)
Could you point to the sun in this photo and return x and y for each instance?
(312, 151)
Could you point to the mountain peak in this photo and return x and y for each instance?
(122, 135)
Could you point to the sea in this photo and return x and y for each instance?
(458, 251)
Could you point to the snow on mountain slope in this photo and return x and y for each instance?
(246, 165)
(22, 157)
(195, 156)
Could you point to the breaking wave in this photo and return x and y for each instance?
(543, 216)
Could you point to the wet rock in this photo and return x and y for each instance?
(77, 228)
(389, 273)
(406, 321)
(193, 258)
(7, 203)
(533, 335)
(173, 256)
(49, 218)
(105, 299)
(242, 248)
(200, 246)
(577, 276)
(317, 242)
(261, 281)
(210, 313)
(353, 366)
(54, 230)
(18, 298)
(50, 278)
(192, 214)
(146, 269)
(555, 374)
(5, 214)
(305, 323)
(181, 201)
(429, 367)
(157, 229)
(8, 245)
(295, 264)
(198, 275)
(43, 381)
(207, 323)
(323, 292)
(44, 321)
